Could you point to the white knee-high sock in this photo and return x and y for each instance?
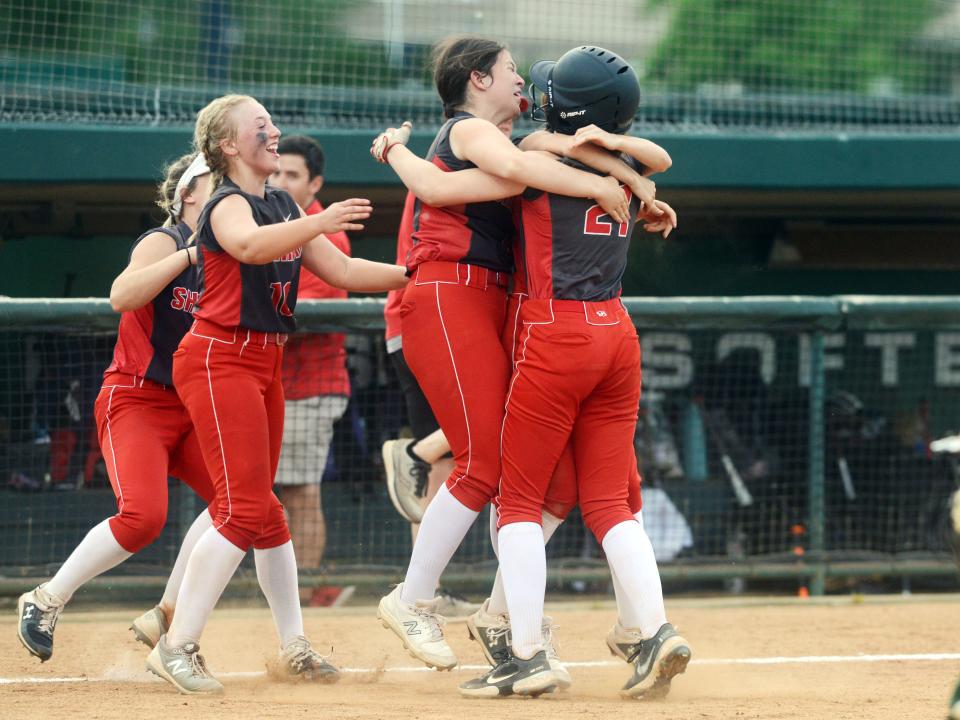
(212, 563)
(498, 598)
(635, 576)
(277, 575)
(523, 562)
(199, 526)
(97, 552)
(444, 525)
(619, 593)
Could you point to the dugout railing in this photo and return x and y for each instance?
(781, 439)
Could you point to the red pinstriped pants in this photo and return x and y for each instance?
(576, 381)
(145, 434)
(452, 316)
(229, 381)
(561, 495)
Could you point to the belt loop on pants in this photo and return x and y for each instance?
(458, 273)
(230, 335)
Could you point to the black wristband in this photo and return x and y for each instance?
(189, 261)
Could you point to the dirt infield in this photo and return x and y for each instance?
(752, 659)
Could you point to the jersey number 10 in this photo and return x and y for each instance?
(594, 224)
(280, 293)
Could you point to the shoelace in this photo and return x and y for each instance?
(420, 472)
(302, 654)
(48, 619)
(549, 639)
(433, 622)
(198, 666)
(636, 650)
(495, 633)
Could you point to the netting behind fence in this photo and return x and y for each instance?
(723, 443)
(883, 64)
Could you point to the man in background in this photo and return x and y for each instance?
(315, 382)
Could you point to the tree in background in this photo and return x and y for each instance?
(861, 46)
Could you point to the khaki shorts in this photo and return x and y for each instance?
(307, 433)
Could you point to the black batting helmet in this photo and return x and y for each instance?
(586, 86)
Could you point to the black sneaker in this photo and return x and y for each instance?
(37, 623)
(655, 663)
(513, 676)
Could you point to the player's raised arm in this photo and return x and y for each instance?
(326, 261)
(482, 144)
(596, 157)
(235, 228)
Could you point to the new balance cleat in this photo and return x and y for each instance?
(420, 628)
(183, 667)
(406, 479)
(655, 663)
(299, 661)
(150, 626)
(513, 676)
(38, 611)
(621, 641)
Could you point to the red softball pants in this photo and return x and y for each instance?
(452, 315)
(561, 496)
(146, 435)
(576, 381)
(229, 381)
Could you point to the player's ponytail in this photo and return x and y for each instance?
(167, 189)
(454, 60)
(214, 125)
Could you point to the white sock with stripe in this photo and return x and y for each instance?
(444, 525)
(636, 580)
(212, 563)
(498, 598)
(277, 575)
(97, 552)
(199, 526)
(523, 561)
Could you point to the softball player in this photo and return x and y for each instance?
(490, 625)
(577, 379)
(453, 309)
(252, 240)
(144, 430)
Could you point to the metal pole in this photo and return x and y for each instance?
(815, 478)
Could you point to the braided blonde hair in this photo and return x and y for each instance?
(167, 190)
(213, 127)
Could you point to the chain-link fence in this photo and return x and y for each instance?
(777, 437)
(814, 64)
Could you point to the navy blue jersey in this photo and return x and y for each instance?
(570, 247)
(149, 335)
(475, 233)
(235, 294)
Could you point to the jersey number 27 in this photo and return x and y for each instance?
(594, 224)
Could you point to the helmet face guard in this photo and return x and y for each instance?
(587, 86)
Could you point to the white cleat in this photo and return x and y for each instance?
(183, 667)
(419, 627)
(150, 626)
